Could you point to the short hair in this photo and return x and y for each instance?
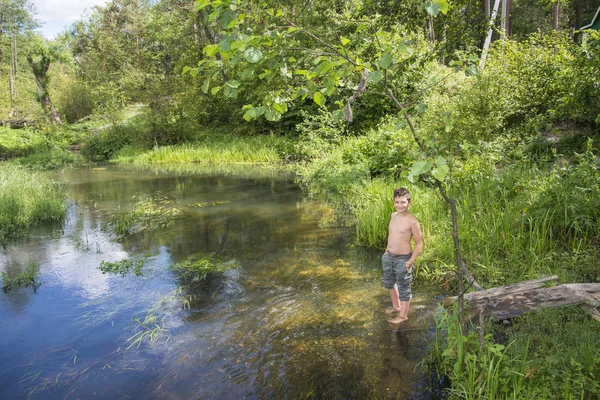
(401, 192)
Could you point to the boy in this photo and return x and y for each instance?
(399, 258)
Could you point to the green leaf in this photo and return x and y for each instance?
(211, 49)
(338, 115)
(440, 172)
(194, 72)
(253, 113)
(253, 55)
(420, 108)
(272, 115)
(206, 85)
(281, 108)
(375, 76)
(215, 90)
(233, 84)
(292, 29)
(420, 167)
(345, 41)
(319, 99)
(385, 61)
(226, 18)
(186, 69)
(201, 4)
(324, 66)
(439, 160)
(434, 7)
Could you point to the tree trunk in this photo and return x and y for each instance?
(486, 8)
(488, 38)
(39, 72)
(555, 8)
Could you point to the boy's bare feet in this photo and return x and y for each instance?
(398, 319)
(392, 310)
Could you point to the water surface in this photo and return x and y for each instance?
(299, 316)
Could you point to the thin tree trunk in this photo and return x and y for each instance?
(486, 8)
(488, 39)
(555, 9)
(39, 72)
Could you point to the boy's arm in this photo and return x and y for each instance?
(418, 238)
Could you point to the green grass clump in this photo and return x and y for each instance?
(48, 159)
(246, 150)
(122, 267)
(27, 199)
(198, 268)
(25, 279)
(21, 142)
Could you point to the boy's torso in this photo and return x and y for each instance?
(400, 233)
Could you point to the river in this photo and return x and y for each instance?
(299, 313)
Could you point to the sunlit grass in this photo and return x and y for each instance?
(225, 150)
(27, 199)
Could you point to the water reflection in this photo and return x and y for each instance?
(302, 317)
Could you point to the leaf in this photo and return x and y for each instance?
(292, 29)
(345, 41)
(186, 69)
(375, 76)
(420, 167)
(272, 115)
(434, 7)
(420, 108)
(385, 61)
(253, 113)
(319, 98)
(206, 85)
(211, 49)
(215, 90)
(338, 115)
(324, 66)
(253, 55)
(439, 160)
(440, 172)
(201, 4)
(233, 84)
(281, 108)
(226, 18)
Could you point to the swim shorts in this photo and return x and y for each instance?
(395, 273)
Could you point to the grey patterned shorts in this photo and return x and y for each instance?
(395, 273)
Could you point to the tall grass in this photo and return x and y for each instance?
(27, 199)
(214, 150)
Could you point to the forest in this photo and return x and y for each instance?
(488, 111)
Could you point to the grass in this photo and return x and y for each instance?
(27, 199)
(254, 150)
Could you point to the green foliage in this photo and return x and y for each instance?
(73, 100)
(21, 142)
(27, 199)
(197, 268)
(25, 279)
(122, 267)
(149, 213)
(48, 160)
(476, 370)
(108, 141)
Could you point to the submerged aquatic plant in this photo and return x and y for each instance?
(197, 268)
(26, 278)
(122, 267)
(149, 212)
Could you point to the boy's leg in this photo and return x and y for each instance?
(395, 300)
(404, 306)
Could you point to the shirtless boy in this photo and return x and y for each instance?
(399, 257)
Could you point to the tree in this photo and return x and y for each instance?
(16, 20)
(264, 46)
(40, 55)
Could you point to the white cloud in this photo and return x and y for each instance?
(57, 15)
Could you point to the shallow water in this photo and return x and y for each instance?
(302, 316)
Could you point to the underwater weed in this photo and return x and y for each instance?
(197, 268)
(26, 278)
(149, 213)
(122, 267)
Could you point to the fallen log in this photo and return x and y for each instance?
(504, 290)
(17, 123)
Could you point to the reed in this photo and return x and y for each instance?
(27, 199)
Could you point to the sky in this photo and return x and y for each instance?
(57, 15)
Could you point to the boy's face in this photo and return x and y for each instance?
(401, 204)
